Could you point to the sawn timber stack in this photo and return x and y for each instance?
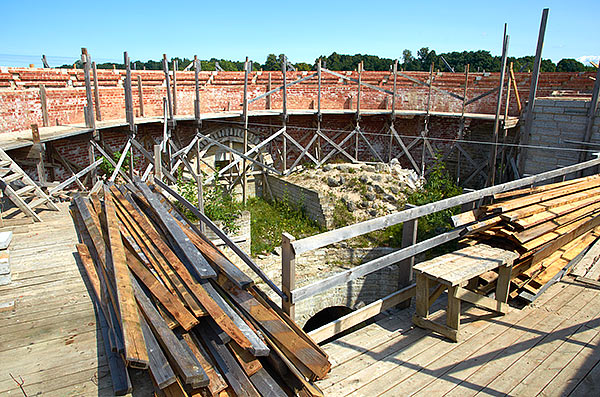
(549, 226)
(170, 302)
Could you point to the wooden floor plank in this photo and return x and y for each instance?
(567, 342)
(384, 343)
(469, 352)
(369, 380)
(589, 385)
(572, 373)
(546, 343)
(491, 354)
(47, 329)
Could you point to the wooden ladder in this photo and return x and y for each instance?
(28, 197)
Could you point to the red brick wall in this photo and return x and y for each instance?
(20, 100)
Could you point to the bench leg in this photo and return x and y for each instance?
(503, 283)
(422, 296)
(453, 311)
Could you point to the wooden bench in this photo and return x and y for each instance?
(453, 271)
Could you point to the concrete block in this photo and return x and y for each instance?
(562, 117)
(5, 239)
(542, 116)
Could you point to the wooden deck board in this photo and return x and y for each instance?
(552, 345)
(51, 339)
(482, 366)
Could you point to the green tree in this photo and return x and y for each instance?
(570, 65)
(272, 63)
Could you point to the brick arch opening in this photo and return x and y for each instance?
(326, 316)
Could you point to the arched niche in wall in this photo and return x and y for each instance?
(326, 316)
(217, 157)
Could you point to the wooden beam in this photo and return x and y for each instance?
(168, 87)
(479, 300)
(136, 354)
(494, 151)
(90, 120)
(140, 95)
(175, 64)
(96, 92)
(514, 82)
(245, 116)
(278, 331)
(190, 253)
(44, 104)
(526, 134)
(119, 376)
(183, 360)
(358, 316)
(288, 274)
(203, 218)
(163, 295)
(39, 156)
(75, 177)
(160, 369)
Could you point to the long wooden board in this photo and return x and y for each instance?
(280, 332)
(135, 348)
(185, 363)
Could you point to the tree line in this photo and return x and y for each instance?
(479, 61)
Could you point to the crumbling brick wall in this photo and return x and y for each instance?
(20, 103)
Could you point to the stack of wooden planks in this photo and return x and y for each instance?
(168, 301)
(549, 226)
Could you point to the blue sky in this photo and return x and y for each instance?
(302, 30)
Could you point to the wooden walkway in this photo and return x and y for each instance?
(51, 339)
(549, 348)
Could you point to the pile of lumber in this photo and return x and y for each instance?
(549, 226)
(169, 302)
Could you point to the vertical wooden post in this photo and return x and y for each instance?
(128, 95)
(197, 67)
(494, 152)
(199, 182)
(405, 267)
(168, 87)
(92, 157)
(39, 157)
(525, 136)
(422, 296)
(175, 86)
(426, 131)
(461, 127)
(245, 114)
(453, 310)
(393, 112)
(319, 115)
(129, 110)
(96, 92)
(90, 121)
(44, 103)
(158, 162)
(358, 110)
(288, 273)
(504, 128)
(268, 99)
(140, 95)
(284, 111)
